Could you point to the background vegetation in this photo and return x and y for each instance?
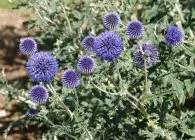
(5, 4)
(112, 103)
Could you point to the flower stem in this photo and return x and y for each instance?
(85, 129)
(141, 108)
(66, 16)
(146, 76)
(50, 87)
(182, 17)
(50, 122)
(179, 12)
(48, 6)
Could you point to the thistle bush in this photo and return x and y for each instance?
(124, 70)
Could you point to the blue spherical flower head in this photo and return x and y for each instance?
(71, 78)
(86, 64)
(111, 21)
(108, 45)
(145, 51)
(174, 36)
(28, 46)
(31, 112)
(42, 67)
(88, 42)
(38, 94)
(135, 29)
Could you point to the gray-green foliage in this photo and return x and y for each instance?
(112, 102)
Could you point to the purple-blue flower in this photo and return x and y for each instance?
(108, 45)
(38, 94)
(88, 42)
(71, 78)
(42, 67)
(145, 51)
(111, 21)
(135, 29)
(31, 112)
(174, 36)
(28, 46)
(86, 64)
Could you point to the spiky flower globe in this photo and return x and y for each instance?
(108, 45)
(42, 67)
(174, 36)
(135, 29)
(31, 112)
(88, 42)
(70, 78)
(145, 51)
(38, 94)
(86, 64)
(28, 46)
(111, 21)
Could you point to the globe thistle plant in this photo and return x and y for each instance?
(42, 67)
(108, 45)
(28, 46)
(174, 36)
(31, 112)
(70, 78)
(88, 42)
(135, 29)
(86, 64)
(145, 51)
(111, 21)
(38, 94)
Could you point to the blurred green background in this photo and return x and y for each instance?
(8, 4)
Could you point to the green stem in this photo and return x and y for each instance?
(37, 11)
(50, 87)
(155, 28)
(50, 122)
(77, 98)
(182, 17)
(85, 129)
(113, 93)
(67, 19)
(48, 6)
(146, 76)
(179, 12)
(141, 109)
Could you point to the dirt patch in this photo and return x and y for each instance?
(13, 63)
(11, 31)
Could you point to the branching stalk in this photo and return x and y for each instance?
(60, 101)
(85, 129)
(141, 109)
(69, 25)
(50, 122)
(182, 17)
(51, 88)
(47, 6)
(179, 12)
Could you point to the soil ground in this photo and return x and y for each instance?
(13, 63)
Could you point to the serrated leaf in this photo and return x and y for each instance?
(189, 132)
(178, 88)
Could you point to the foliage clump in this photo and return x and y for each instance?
(119, 100)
